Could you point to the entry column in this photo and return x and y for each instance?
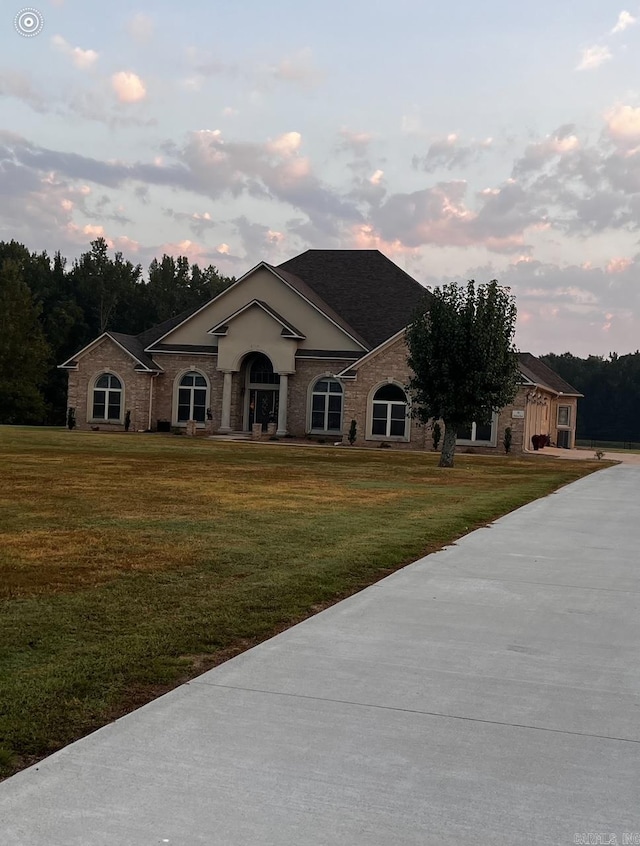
(225, 421)
(282, 404)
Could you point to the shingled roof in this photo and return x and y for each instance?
(372, 294)
(133, 345)
(538, 372)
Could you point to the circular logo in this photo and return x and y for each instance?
(28, 22)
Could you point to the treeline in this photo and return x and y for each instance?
(49, 310)
(610, 410)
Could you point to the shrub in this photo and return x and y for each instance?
(436, 434)
(127, 420)
(71, 418)
(353, 433)
(507, 439)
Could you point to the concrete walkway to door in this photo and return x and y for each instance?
(487, 694)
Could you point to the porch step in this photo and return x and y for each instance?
(231, 436)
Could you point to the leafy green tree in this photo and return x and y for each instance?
(105, 286)
(463, 359)
(174, 287)
(24, 352)
(610, 408)
(100, 291)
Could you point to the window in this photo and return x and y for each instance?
(479, 433)
(564, 415)
(107, 398)
(326, 406)
(389, 417)
(261, 371)
(192, 398)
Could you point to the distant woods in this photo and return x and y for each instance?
(49, 310)
(610, 410)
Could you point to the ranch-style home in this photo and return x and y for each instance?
(306, 346)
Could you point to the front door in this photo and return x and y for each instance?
(263, 407)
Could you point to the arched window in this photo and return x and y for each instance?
(192, 398)
(261, 371)
(326, 406)
(107, 398)
(389, 417)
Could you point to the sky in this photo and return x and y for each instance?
(464, 140)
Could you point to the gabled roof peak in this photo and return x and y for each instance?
(369, 291)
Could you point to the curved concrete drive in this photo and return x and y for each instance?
(487, 694)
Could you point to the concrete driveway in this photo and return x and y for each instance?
(487, 694)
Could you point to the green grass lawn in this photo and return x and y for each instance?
(129, 563)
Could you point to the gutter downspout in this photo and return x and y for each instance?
(153, 376)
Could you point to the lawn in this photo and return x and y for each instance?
(130, 563)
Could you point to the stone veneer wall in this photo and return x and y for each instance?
(174, 365)
(108, 357)
(308, 371)
(505, 418)
(389, 364)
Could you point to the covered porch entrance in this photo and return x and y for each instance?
(262, 392)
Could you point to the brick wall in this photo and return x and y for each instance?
(307, 372)
(108, 357)
(174, 365)
(389, 364)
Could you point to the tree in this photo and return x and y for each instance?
(74, 305)
(462, 357)
(105, 287)
(610, 408)
(24, 352)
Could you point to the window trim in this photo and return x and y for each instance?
(326, 377)
(566, 425)
(188, 371)
(492, 442)
(91, 418)
(369, 436)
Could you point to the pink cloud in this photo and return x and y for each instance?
(365, 237)
(618, 265)
(196, 253)
(128, 87)
(623, 124)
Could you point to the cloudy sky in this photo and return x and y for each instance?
(462, 139)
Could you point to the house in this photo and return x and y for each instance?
(309, 345)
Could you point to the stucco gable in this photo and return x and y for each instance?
(287, 329)
(277, 295)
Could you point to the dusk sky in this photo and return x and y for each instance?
(462, 139)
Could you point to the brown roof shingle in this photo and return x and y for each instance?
(371, 293)
(538, 372)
